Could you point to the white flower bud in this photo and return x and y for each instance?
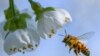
(51, 21)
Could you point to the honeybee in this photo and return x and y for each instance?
(78, 46)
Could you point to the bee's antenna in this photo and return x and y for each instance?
(61, 35)
(65, 32)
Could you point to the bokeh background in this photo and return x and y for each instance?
(86, 18)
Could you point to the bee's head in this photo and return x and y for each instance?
(66, 38)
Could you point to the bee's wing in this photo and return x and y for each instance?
(86, 36)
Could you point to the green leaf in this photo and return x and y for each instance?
(8, 13)
(21, 24)
(6, 26)
(10, 25)
(36, 7)
(24, 16)
(39, 16)
(48, 9)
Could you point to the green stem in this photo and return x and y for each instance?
(11, 2)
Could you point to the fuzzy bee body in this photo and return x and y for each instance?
(74, 43)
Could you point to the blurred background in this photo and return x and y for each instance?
(86, 18)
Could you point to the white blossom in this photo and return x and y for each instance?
(22, 40)
(51, 21)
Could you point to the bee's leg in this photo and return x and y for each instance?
(65, 44)
(79, 50)
(70, 49)
(88, 54)
(75, 51)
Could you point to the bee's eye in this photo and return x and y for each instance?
(68, 37)
(64, 40)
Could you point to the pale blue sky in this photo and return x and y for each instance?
(86, 17)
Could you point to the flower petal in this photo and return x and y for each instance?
(24, 35)
(40, 28)
(33, 35)
(51, 21)
(18, 41)
(32, 30)
(13, 40)
(45, 25)
(66, 14)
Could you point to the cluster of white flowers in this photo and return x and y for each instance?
(28, 39)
